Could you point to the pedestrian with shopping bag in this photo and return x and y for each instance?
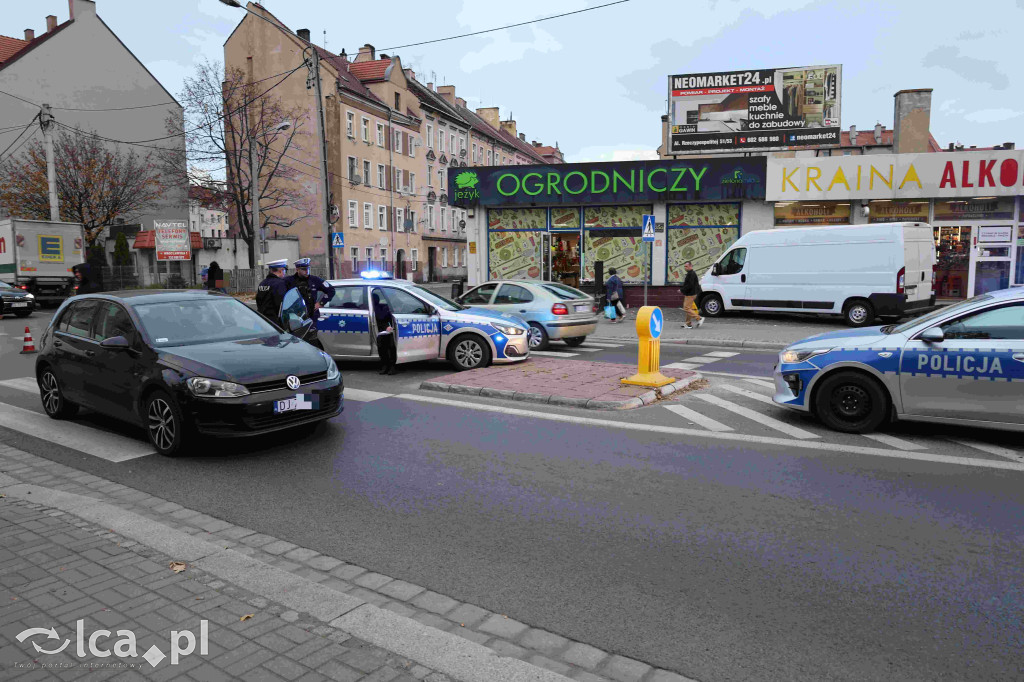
(614, 295)
(690, 291)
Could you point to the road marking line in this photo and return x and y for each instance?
(552, 354)
(739, 438)
(775, 424)
(749, 394)
(91, 441)
(722, 354)
(990, 449)
(733, 375)
(894, 442)
(600, 344)
(362, 396)
(762, 383)
(703, 359)
(681, 365)
(582, 349)
(27, 384)
(698, 418)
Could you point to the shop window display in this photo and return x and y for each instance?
(699, 233)
(613, 235)
(515, 242)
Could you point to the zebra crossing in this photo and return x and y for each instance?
(557, 349)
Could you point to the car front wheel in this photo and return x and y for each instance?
(851, 402)
(468, 352)
(712, 306)
(52, 395)
(537, 337)
(165, 425)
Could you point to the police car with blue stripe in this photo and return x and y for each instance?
(960, 364)
(429, 326)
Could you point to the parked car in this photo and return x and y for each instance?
(186, 363)
(962, 364)
(858, 271)
(553, 310)
(16, 300)
(429, 326)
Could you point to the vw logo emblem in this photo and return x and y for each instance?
(292, 381)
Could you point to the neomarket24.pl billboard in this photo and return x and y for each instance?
(759, 109)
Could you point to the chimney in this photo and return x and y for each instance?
(447, 92)
(1009, 145)
(80, 8)
(367, 53)
(951, 147)
(510, 128)
(51, 23)
(30, 34)
(430, 86)
(490, 115)
(303, 33)
(461, 102)
(522, 137)
(384, 56)
(878, 133)
(911, 121)
(410, 74)
(853, 136)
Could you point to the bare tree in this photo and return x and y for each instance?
(97, 182)
(224, 117)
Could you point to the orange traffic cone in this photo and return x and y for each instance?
(29, 346)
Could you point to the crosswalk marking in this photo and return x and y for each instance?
(698, 418)
(553, 354)
(27, 384)
(749, 394)
(702, 359)
(996, 450)
(682, 365)
(894, 442)
(721, 354)
(762, 383)
(601, 344)
(362, 396)
(775, 424)
(583, 349)
(91, 441)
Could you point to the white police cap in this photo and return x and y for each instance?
(302, 263)
(274, 264)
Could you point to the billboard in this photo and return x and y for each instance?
(172, 240)
(758, 109)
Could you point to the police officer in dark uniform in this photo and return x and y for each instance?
(310, 287)
(270, 292)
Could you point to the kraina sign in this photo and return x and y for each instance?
(755, 109)
(609, 183)
(898, 176)
(172, 240)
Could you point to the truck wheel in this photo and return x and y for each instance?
(712, 306)
(859, 313)
(851, 402)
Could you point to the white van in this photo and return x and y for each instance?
(858, 271)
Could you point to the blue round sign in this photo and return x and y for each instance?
(657, 322)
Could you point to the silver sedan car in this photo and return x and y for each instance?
(553, 310)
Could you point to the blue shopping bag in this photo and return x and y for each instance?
(609, 312)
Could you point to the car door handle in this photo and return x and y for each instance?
(743, 278)
(90, 353)
(522, 311)
(58, 343)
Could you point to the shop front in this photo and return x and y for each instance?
(972, 200)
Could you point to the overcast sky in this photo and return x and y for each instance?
(596, 82)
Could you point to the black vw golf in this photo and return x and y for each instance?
(184, 363)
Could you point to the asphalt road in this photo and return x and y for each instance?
(723, 560)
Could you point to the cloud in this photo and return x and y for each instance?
(992, 115)
(503, 48)
(613, 153)
(947, 107)
(971, 69)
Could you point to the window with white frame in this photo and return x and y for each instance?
(412, 183)
(412, 221)
(369, 255)
(415, 259)
(350, 124)
(355, 258)
(455, 257)
(380, 175)
(383, 254)
(366, 173)
(444, 255)
(430, 218)
(353, 211)
(399, 220)
(430, 136)
(440, 141)
(430, 176)
(366, 129)
(367, 216)
(440, 179)
(474, 152)
(464, 261)
(462, 144)
(398, 179)
(452, 218)
(398, 141)
(382, 217)
(353, 167)
(443, 218)
(380, 134)
(451, 143)
(490, 158)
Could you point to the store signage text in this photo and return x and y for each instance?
(599, 182)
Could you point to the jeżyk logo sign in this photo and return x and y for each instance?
(465, 187)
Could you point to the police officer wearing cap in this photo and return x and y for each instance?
(310, 287)
(270, 292)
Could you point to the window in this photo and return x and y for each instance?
(430, 176)
(399, 220)
(490, 158)
(479, 296)
(194, 222)
(80, 319)
(112, 321)
(412, 221)
(513, 293)
(368, 216)
(382, 218)
(355, 264)
(452, 220)
(444, 255)
(402, 302)
(398, 102)
(398, 179)
(465, 261)
(451, 143)
(412, 183)
(398, 140)
(380, 134)
(383, 254)
(353, 167)
(440, 141)
(430, 218)
(349, 297)
(350, 124)
(430, 136)
(366, 129)
(440, 179)
(1006, 323)
(732, 264)
(474, 152)
(353, 212)
(412, 146)
(369, 255)
(380, 175)
(462, 144)
(455, 257)
(415, 259)
(366, 172)
(443, 218)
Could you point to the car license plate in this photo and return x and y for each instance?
(19, 305)
(583, 308)
(299, 402)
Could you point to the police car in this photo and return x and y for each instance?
(960, 364)
(429, 326)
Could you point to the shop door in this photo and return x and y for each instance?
(992, 259)
(546, 258)
(953, 261)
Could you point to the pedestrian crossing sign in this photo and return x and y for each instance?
(338, 239)
(648, 235)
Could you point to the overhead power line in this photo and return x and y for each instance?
(15, 141)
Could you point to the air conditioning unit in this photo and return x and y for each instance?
(356, 179)
(212, 243)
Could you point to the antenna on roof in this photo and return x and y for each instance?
(325, 38)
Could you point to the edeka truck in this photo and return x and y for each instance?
(37, 256)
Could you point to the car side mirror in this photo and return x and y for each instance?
(296, 323)
(716, 269)
(932, 335)
(115, 343)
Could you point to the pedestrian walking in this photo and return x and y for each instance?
(270, 292)
(690, 291)
(311, 287)
(215, 278)
(86, 283)
(204, 274)
(614, 294)
(387, 333)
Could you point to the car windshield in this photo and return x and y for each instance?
(940, 312)
(563, 292)
(438, 301)
(190, 322)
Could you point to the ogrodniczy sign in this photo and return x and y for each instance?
(609, 183)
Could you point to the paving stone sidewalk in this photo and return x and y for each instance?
(569, 383)
(496, 632)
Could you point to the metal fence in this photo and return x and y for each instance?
(116, 277)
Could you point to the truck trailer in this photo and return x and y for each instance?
(37, 256)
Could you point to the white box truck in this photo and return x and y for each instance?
(858, 271)
(37, 256)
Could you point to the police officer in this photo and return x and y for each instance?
(310, 286)
(270, 292)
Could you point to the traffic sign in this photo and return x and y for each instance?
(649, 324)
(337, 239)
(648, 235)
(656, 323)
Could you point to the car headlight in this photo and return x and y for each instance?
(332, 367)
(793, 356)
(215, 388)
(507, 329)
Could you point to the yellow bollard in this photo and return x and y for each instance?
(649, 323)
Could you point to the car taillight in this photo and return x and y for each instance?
(24, 287)
(559, 309)
(901, 278)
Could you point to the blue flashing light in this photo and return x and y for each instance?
(374, 274)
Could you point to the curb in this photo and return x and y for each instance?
(564, 401)
(718, 343)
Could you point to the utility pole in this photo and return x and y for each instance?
(46, 122)
(312, 60)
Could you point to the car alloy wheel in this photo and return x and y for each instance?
(54, 402)
(469, 353)
(163, 426)
(537, 337)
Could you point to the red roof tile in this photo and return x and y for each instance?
(866, 138)
(147, 240)
(10, 46)
(6, 58)
(369, 71)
